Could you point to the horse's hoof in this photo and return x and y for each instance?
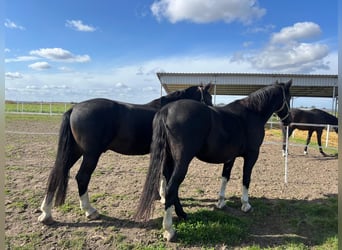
(46, 220)
(170, 236)
(221, 204)
(93, 216)
(182, 216)
(246, 208)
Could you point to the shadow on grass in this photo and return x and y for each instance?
(272, 223)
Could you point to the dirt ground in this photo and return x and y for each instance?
(117, 182)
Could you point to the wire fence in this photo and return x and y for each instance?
(37, 108)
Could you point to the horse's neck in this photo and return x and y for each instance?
(158, 103)
(155, 103)
(265, 110)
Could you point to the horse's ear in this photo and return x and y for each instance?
(208, 87)
(288, 84)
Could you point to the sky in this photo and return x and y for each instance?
(72, 51)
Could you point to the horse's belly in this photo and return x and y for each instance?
(129, 148)
(218, 154)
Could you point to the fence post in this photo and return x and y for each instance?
(327, 137)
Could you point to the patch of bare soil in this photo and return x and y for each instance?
(117, 182)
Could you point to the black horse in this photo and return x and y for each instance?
(186, 129)
(313, 116)
(94, 126)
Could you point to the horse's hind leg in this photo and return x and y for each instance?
(83, 177)
(167, 173)
(308, 139)
(227, 168)
(172, 198)
(46, 206)
(319, 133)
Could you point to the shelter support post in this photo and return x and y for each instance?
(286, 153)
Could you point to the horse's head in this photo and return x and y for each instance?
(336, 129)
(283, 111)
(204, 90)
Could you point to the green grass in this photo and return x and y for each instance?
(210, 228)
(299, 224)
(37, 107)
(32, 118)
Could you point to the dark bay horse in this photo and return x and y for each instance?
(312, 116)
(186, 129)
(94, 126)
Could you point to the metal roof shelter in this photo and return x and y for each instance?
(304, 85)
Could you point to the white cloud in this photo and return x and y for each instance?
(286, 51)
(12, 25)
(205, 11)
(21, 59)
(297, 32)
(79, 26)
(59, 54)
(39, 66)
(261, 29)
(299, 57)
(121, 85)
(13, 75)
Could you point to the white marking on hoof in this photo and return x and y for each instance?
(244, 200)
(90, 212)
(284, 153)
(162, 200)
(162, 188)
(305, 152)
(169, 232)
(246, 207)
(46, 220)
(221, 202)
(169, 235)
(46, 217)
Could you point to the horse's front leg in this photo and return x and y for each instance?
(227, 168)
(90, 212)
(248, 165)
(308, 139)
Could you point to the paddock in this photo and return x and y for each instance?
(116, 186)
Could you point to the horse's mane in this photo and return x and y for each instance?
(173, 96)
(259, 99)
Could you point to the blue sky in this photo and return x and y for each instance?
(76, 50)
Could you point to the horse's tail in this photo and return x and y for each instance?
(159, 147)
(59, 175)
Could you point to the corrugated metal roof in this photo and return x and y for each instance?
(304, 85)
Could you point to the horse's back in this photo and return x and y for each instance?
(312, 116)
(102, 124)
